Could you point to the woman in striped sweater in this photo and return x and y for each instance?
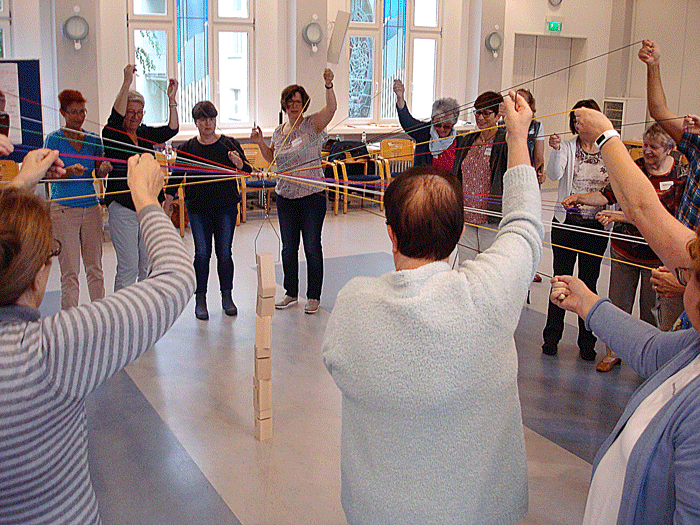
(48, 366)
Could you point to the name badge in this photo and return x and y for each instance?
(665, 185)
(297, 142)
(487, 152)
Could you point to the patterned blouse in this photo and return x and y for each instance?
(299, 155)
(476, 181)
(589, 175)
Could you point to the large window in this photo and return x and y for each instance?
(383, 35)
(206, 44)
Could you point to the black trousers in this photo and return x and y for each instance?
(588, 272)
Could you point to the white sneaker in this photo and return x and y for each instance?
(312, 306)
(286, 302)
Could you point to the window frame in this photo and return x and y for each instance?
(215, 25)
(375, 30)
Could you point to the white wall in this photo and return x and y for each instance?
(589, 20)
(675, 26)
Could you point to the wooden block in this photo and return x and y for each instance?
(264, 386)
(263, 414)
(263, 368)
(262, 352)
(263, 332)
(266, 275)
(265, 306)
(261, 403)
(263, 429)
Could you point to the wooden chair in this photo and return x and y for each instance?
(253, 183)
(361, 181)
(397, 155)
(8, 170)
(636, 153)
(164, 162)
(332, 167)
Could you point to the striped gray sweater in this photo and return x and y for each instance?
(48, 366)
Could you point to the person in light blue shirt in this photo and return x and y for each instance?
(75, 210)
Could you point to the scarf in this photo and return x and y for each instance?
(438, 145)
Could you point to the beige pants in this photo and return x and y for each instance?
(80, 232)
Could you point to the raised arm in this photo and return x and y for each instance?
(400, 91)
(650, 54)
(518, 118)
(92, 342)
(323, 117)
(174, 121)
(120, 101)
(635, 194)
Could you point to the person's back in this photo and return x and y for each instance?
(426, 361)
(432, 429)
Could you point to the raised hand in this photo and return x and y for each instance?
(328, 77)
(129, 72)
(649, 53)
(591, 123)
(172, 88)
(256, 135)
(691, 124)
(145, 179)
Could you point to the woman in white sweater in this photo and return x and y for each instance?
(579, 168)
(48, 366)
(425, 356)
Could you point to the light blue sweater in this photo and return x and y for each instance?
(426, 361)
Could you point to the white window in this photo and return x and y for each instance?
(206, 44)
(383, 35)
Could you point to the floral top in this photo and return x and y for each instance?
(590, 175)
(299, 155)
(476, 182)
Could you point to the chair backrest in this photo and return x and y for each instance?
(347, 150)
(636, 153)
(397, 149)
(8, 169)
(254, 156)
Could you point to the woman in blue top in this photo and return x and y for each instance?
(75, 212)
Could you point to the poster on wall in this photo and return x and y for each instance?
(9, 85)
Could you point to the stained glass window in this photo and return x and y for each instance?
(394, 53)
(362, 11)
(361, 77)
(192, 54)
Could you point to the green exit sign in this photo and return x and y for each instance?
(554, 27)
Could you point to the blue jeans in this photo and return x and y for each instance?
(302, 216)
(220, 224)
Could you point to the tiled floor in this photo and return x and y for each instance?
(172, 437)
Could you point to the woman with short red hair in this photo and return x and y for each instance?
(75, 211)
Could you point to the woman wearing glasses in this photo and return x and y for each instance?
(124, 136)
(482, 159)
(75, 212)
(435, 142)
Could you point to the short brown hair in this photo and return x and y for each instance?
(425, 209)
(585, 103)
(26, 238)
(204, 109)
(70, 96)
(488, 100)
(290, 91)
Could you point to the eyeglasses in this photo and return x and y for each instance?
(484, 112)
(683, 275)
(76, 112)
(297, 102)
(443, 125)
(139, 113)
(55, 250)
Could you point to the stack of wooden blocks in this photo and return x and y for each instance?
(262, 380)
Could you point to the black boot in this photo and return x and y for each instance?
(200, 306)
(227, 303)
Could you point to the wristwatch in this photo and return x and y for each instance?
(606, 136)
